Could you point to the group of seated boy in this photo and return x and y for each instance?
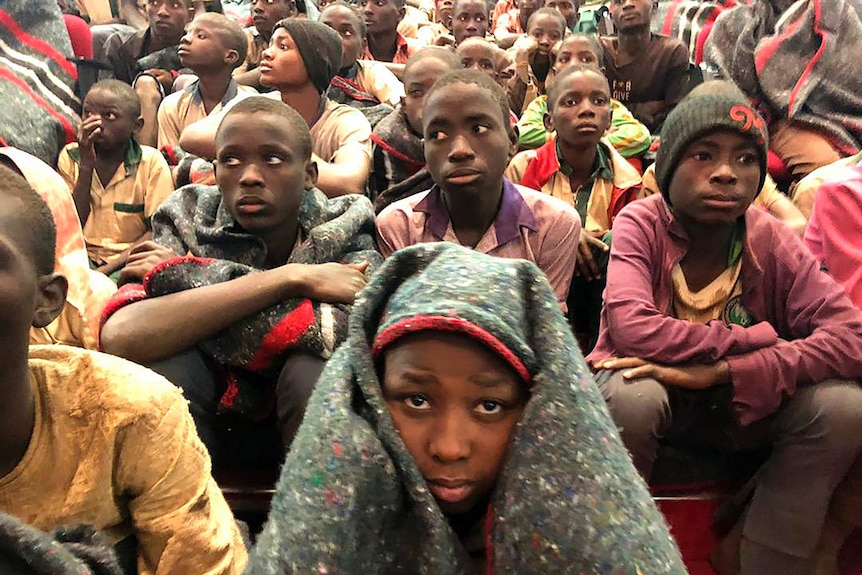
(232, 268)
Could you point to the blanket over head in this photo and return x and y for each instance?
(797, 61)
(352, 500)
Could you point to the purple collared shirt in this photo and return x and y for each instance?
(529, 225)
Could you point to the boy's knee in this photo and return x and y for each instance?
(830, 413)
(638, 407)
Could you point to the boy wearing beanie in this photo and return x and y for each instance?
(720, 330)
(502, 458)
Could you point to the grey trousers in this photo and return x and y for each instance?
(815, 439)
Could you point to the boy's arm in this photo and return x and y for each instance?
(827, 332)
(560, 245)
(199, 138)
(159, 327)
(88, 130)
(531, 127)
(639, 329)
(160, 184)
(346, 174)
(627, 135)
(169, 130)
(181, 521)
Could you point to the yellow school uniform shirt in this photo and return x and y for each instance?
(114, 446)
(186, 107)
(614, 170)
(710, 302)
(120, 209)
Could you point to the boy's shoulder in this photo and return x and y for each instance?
(545, 207)
(89, 384)
(405, 206)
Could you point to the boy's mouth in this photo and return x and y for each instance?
(450, 490)
(463, 176)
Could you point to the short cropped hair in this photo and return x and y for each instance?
(263, 105)
(33, 216)
(595, 44)
(229, 33)
(432, 52)
(360, 20)
(552, 12)
(455, 6)
(555, 87)
(129, 100)
(482, 81)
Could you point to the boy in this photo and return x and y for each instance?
(439, 31)
(469, 20)
(212, 47)
(239, 343)
(513, 24)
(91, 438)
(647, 72)
(265, 15)
(720, 330)
(628, 136)
(568, 9)
(581, 169)
(384, 42)
(116, 183)
(300, 64)
(533, 62)
(398, 152)
(372, 78)
(468, 142)
(458, 431)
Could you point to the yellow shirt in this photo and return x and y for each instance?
(114, 446)
(121, 209)
(625, 176)
(338, 129)
(376, 79)
(186, 107)
(710, 302)
(79, 321)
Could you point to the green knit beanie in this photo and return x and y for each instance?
(717, 106)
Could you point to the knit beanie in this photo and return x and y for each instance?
(484, 304)
(320, 49)
(710, 107)
(73, 551)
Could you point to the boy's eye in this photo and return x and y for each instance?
(568, 102)
(110, 116)
(463, 17)
(274, 160)
(489, 407)
(480, 129)
(748, 158)
(417, 402)
(487, 65)
(600, 101)
(229, 161)
(416, 93)
(437, 136)
(702, 156)
(201, 36)
(587, 60)
(564, 59)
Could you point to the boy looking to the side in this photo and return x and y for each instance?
(89, 438)
(384, 42)
(116, 183)
(719, 329)
(582, 170)
(468, 142)
(265, 14)
(212, 47)
(628, 136)
(246, 331)
(458, 430)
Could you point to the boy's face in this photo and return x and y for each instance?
(527, 7)
(467, 142)
(716, 179)
(581, 110)
(27, 298)
(567, 8)
(381, 16)
(455, 417)
(168, 19)
(443, 12)
(281, 64)
(202, 47)
(547, 31)
(346, 22)
(418, 79)
(469, 19)
(631, 14)
(259, 171)
(479, 55)
(117, 124)
(266, 13)
(576, 50)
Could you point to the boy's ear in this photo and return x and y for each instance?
(513, 140)
(232, 58)
(50, 299)
(139, 123)
(310, 174)
(401, 12)
(548, 122)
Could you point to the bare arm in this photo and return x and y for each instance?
(783, 209)
(88, 130)
(346, 174)
(199, 138)
(249, 78)
(157, 328)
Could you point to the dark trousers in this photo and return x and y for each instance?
(232, 440)
(585, 301)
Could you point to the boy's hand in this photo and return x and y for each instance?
(142, 258)
(692, 376)
(334, 282)
(88, 131)
(525, 46)
(165, 78)
(586, 265)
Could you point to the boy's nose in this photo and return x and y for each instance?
(450, 442)
(461, 148)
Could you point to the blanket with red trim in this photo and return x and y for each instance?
(40, 110)
(797, 60)
(194, 221)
